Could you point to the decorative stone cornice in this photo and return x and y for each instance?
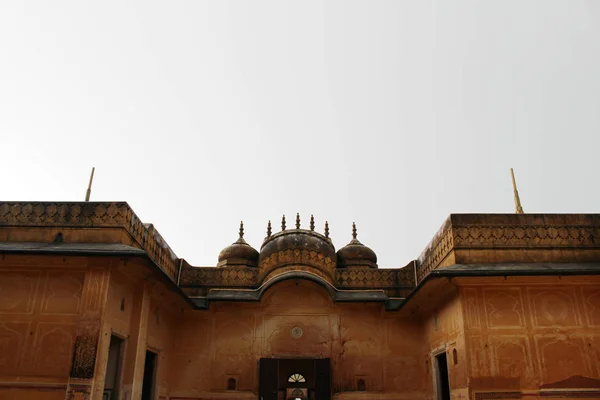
(92, 214)
(578, 232)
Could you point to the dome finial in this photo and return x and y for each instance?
(241, 229)
(326, 229)
(269, 229)
(312, 222)
(283, 223)
(297, 220)
(353, 231)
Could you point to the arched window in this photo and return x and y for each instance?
(231, 384)
(296, 378)
(455, 357)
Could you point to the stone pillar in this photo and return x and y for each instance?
(93, 302)
(135, 357)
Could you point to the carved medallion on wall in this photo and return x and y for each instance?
(553, 307)
(297, 332)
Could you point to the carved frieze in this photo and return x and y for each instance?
(298, 257)
(226, 277)
(489, 231)
(92, 215)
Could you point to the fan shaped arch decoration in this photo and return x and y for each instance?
(296, 378)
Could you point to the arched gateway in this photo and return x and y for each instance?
(296, 297)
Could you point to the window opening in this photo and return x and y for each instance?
(361, 385)
(231, 384)
(295, 378)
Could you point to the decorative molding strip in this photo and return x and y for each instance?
(498, 395)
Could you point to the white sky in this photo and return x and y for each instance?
(393, 114)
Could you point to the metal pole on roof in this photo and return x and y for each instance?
(89, 189)
(518, 208)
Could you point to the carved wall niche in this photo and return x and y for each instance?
(561, 357)
(17, 291)
(591, 304)
(13, 336)
(53, 349)
(62, 292)
(512, 358)
(504, 308)
(553, 307)
(240, 366)
(471, 308)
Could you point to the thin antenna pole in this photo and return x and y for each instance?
(89, 190)
(518, 208)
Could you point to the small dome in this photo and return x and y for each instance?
(356, 254)
(297, 247)
(238, 253)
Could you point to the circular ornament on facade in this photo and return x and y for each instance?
(297, 332)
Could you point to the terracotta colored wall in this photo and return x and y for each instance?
(156, 326)
(525, 333)
(361, 339)
(444, 333)
(39, 311)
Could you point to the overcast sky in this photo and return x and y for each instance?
(393, 114)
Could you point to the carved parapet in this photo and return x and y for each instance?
(369, 278)
(92, 215)
(218, 277)
(462, 235)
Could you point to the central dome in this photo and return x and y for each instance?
(297, 247)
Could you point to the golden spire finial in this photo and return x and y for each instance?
(353, 231)
(518, 208)
(89, 189)
(326, 229)
(241, 229)
(312, 222)
(269, 229)
(283, 223)
(297, 220)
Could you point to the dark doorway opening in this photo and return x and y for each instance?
(112, 379)
(149, 376)
(443, 382)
